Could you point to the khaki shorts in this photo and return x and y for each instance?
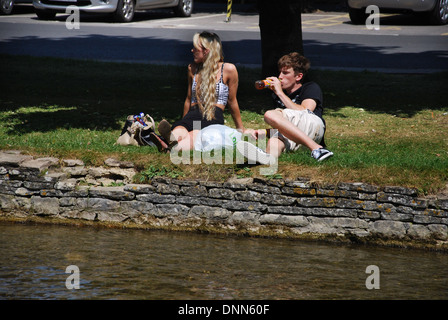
(307, 122)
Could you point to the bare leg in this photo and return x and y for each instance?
(184, 138)
(275, 147)
(275, 119)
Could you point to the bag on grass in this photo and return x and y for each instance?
(136, 131)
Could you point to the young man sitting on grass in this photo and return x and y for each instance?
(297, 115)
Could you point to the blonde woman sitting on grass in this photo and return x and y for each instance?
(212, 85)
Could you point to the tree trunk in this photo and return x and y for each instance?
(280, 25)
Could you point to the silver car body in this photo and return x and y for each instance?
(6, 6)
(101, 5)
(414, 5)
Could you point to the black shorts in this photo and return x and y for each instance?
(195, 115)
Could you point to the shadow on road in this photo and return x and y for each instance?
(82, 96)
(105, 94)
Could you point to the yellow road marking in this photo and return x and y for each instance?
(320, 25)
(390, 28)
(324, 22)
(326, 18)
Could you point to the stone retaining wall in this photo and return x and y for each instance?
(51, 188)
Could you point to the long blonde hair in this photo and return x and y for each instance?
(207, 72)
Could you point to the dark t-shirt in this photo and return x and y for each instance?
(309, 90)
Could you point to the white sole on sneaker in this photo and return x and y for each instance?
(328, 155)
(253, 153)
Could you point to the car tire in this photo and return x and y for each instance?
(184, 8)
(125, 11)
(6, 6)
(43, 14)
(357, 16)
(439, 14)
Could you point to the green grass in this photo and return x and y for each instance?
(385, 129)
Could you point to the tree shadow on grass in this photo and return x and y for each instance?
(81, 93)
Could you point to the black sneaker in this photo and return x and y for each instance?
(161, 145)
(321, 154)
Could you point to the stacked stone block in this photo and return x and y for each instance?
(48, 187)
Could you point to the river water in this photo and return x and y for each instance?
(142, 264)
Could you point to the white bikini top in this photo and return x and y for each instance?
(222, 90)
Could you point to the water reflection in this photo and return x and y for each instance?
(138, 264)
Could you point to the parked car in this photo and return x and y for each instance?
(6, 6)
(122, 10)
(435, 10)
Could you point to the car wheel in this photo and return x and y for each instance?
(439, 15)
(6, 6)
(43, 14)
(184, 8)
(125, 11)
(357, 16)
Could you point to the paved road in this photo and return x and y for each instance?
(401, 45)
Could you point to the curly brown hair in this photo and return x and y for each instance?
(296, 61)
